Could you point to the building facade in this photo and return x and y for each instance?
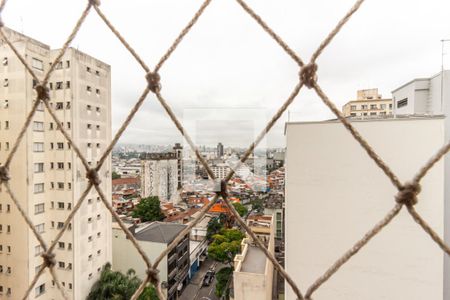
(220, 150)
(335, 194)
(368, 103)
(430, 96)
(153, 239)
(46, 174)
(162, 174)
(253, 271)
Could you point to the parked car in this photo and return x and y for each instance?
(209, 276)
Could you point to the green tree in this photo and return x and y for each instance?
(225, 245)
(114, 175)
(241, 209)
(118, 286)
(214, 226)
(148, 209)
(222, 278)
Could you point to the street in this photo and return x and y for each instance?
(194, 291)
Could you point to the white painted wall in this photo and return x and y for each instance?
(335, 193)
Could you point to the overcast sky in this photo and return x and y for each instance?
(227, 62)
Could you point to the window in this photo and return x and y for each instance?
(69, 165)
(52, 146)
(98, 145)
(98, 217)
(67, 64)
(60, 165)
(5, 82)
(67, 84)
(97, 127)
(38, 167)
(61, 245)
(40, 290)
(60, 146)
(89, 145)
(373, 113)
(69, 246)
(353, 115)
(97, 73)
(402, 103)
(89, 220)
(70, 286)
(52, 185)
(68, 105)
(88, 108)
(69, 187)
(88, 69)
(7, 146)
(364, 106)
(6, 104)
(37, 250)
(59, 85)
(5, 61)
(59, 65)
(50, 85)
(60, 205)
(99, 252)
(88, 89)
(90, 257)
(8, 208)
(38, 147)
(97, 92)
(39, 208)
(40, 228)
(59, 105)
(8, 229)
(68, 125)
(353, 107)
(52, 165)
(51, 126)
(390, 106)
(69, 267)
(90, 238)
(97, 109)
(89, 126)
(37, 64)
(382, 113)
(38, 126)
(90, 276)
(6, 124)
(60, 225)
(383, 106)
(8, 270)
(60, 185)
(38, 188)
(61, 265)
(1, 269)
(373, 106)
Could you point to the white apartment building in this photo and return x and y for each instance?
(46, 174)
(253, 271)
(335, 193)
(430, 96)
(162, 174)
(220, 170)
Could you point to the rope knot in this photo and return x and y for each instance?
(94, 2)
(42, 92)
(4, 174)
(153, 276)
(92, 175)
(407, 194)
(49, 259)
(153, 80)
(308, 74)
(223, 189)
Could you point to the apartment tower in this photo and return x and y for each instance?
(46, 174)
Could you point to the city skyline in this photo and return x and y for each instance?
(206, 78)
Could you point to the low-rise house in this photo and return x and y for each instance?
(154, 238)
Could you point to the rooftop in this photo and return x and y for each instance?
(254, 261)
(160, 232)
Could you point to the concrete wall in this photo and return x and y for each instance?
(335, 193)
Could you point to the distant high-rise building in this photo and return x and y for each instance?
(219, 150)
(368, 104)
(46, 174)
(161, 174)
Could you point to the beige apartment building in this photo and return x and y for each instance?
(46, 175)
(368, 103)
(335, 194)
(253, 271)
